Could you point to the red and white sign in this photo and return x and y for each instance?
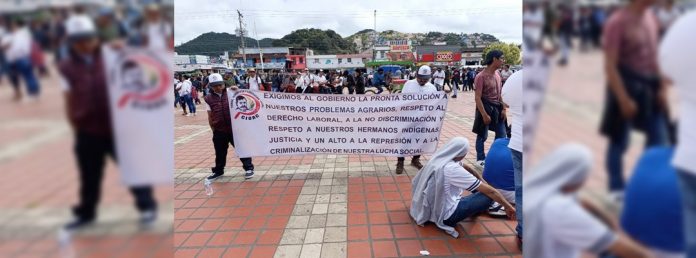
(444, 56)
(399, 48)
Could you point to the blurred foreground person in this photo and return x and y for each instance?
(87, 107)
(559, 223)
(438, 188)
(655, 220)
(636, 97)
(512, 98)
(16, 46)
(676, 54)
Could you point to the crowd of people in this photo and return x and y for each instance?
(76, 36)
(641, 43)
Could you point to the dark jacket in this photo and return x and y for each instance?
(219, 112)
(88, 105)
(493, 111)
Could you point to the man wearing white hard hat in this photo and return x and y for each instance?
(221, 124)
(419, 85)
(83, 79)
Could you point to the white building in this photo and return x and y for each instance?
(337, 61)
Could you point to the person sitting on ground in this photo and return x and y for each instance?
(437, 190)
(559, 222)
(500, 174)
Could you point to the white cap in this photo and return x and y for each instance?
(80, 26)
(214, 79)
(424, 72)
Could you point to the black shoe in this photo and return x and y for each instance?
(148, 218)
(78, 223)
(399, 167)
(454, 96)
(215, 175)
(416, 163)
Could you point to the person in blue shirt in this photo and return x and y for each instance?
(378, 80)
(499, 173)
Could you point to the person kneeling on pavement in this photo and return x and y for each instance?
(221, 124)
(437, 190)
(500, 174)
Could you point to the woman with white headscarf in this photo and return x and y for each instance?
(558, 223)
(438, 188)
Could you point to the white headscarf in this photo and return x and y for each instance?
(566, 166)
(428, 185)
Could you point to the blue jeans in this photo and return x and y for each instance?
(687, 182)
(656, 133)
(469, 206)
(517, 165)
(189, 102)
(500, 132)
(24, 68)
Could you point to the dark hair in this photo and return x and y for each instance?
(239, 98)
(129, 65)
(187, 77)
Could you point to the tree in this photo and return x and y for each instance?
(511, 52)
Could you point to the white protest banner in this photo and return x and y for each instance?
(269, 123)
(140, 93)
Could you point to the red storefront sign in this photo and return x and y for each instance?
(448, 57)
(399, 48)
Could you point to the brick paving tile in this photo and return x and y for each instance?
(318, 205)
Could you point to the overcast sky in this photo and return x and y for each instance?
(276, 18)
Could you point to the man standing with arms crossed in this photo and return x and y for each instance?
(490, 112)
(419, 85)
(221, 124)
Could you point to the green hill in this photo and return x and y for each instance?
(321, 41)
(213, 43)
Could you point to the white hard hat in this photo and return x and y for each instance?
(424, 72)
(79, 26)
(215, 79)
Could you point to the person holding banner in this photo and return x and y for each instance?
(87, 108)
(437, 190)
(420, 85)
(304, 82)
(220, 123)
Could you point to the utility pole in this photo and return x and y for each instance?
(241, 35)
(374, 35)
(256, 34)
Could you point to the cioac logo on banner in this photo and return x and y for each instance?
(246, 105)
(144, 81)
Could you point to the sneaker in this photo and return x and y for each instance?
(416, 163)
(249, 174)
(481, 162)
(399, 167)
(78, 223)
(189, 114)
(454, 96)
(194, 114)
(497, 210)
(148, 218)
(215, 175)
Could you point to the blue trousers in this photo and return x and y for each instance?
(189, 102)
(657, 134)
(500, 132)
(517, 166)
(469, 206)
(23, 68)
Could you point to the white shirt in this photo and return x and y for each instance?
(304, 81)
(512, 95)
(412, 86)
(569, 229)
(532, 23)
(457, 179)
(439, 78)
(667, 16)
(18, 44)
(674, 57)
(184, 88)
(505, 74)
(320, 78)
(158, 35)
(254, 82)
